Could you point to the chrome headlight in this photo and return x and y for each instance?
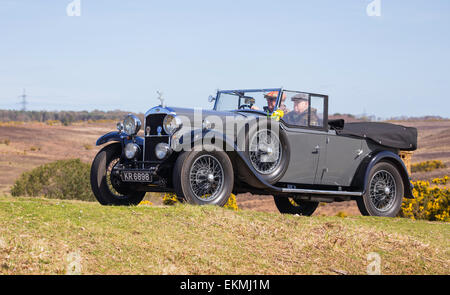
(162, 149)
(171, 124)
(131, 150)
(131, 125)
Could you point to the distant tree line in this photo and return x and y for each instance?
(370, 118)
(68, 117)
(65, 117)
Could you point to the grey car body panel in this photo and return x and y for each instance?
(304, 156)
(340, 159)
(335, 163)
(321, 161)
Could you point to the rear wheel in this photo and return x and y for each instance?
(203, 178)
(292, 205)
(108, 189)
(384, 192)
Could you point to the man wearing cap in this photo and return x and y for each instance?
(299, 116)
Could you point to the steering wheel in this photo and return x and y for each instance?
(242, 106)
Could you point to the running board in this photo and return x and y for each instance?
(320, 192)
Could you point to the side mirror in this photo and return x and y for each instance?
(211, 98)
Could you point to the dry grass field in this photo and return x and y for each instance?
(24, 146)
(43, 236)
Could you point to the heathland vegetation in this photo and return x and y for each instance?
(69, 179)
(64, 117)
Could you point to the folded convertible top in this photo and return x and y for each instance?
(387, 134)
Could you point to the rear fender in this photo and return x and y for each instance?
(362, 174)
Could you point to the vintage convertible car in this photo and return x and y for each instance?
(272, 142)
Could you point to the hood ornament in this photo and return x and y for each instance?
(160, 97)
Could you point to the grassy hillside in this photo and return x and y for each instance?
(37, 236)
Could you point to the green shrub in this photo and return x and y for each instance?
(64, 179)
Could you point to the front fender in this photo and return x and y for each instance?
(111, 136)
(119, 137)
(362, 175)
(196, 138)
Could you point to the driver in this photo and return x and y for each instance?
(271, 99)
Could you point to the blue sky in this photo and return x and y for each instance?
(117, 54)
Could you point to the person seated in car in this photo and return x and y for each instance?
(271, 99)
(299, 116)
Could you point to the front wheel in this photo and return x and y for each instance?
(288, 205)
(384, 192)
(203, 178)
(107, 188)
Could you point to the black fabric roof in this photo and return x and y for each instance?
(387, 134)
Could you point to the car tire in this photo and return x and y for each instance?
(275, 173)
(287, 205)
(384, 192)
(203, 177)
(108, 189)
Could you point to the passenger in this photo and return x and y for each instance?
(299, 116)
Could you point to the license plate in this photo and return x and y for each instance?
(133, 176)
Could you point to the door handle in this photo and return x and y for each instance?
(316, 149)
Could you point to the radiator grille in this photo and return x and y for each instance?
(150, 144)
(154, 121)
(153, 138)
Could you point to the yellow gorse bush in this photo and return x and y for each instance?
(145, 203)
(442, 180)
(430, 202)
(171, 199)
(427, 166)
(232, 203)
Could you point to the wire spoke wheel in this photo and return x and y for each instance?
(206, 177)
(265, 151)
(112, 181)
(382, 190)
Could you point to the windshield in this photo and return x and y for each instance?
(264, 100)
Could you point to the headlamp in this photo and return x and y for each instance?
(131, 125)
(171, 124)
